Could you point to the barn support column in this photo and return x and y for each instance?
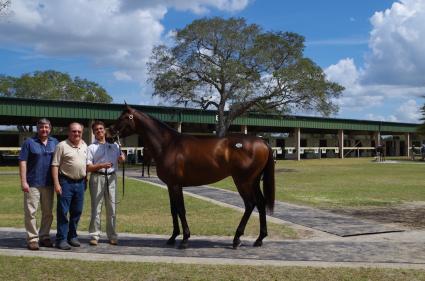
(407, 144)
(178, 126)
(244, 129)
(297, 136)
(341, 143)
(377, 137)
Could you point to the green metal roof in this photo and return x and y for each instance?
(31, 108)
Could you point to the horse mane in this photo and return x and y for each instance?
(160, 123)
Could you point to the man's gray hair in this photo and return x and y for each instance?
(43, 121)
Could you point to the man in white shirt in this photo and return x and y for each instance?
(102, 163)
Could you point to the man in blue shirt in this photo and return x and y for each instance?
(36, 183)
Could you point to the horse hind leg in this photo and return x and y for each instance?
(261, 206)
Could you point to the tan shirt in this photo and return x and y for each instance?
(71, 159)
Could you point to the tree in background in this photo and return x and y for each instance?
(52, 85)
(4, 7)
(421, 128)
(236, 68)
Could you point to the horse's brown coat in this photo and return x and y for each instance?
(184, 160)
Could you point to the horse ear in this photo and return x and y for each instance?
(127, 107)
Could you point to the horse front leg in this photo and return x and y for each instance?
(181, 211)
(149, 174)
(176, 229)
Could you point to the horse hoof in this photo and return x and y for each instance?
(258, 243)
(171, 241)
(183, 245)
(236, 244)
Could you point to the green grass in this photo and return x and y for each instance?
(145, 209)
(353, 182)
(8, 168)
(23, 268)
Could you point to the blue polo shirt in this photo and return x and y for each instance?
(38, 157)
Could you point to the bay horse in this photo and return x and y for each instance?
(147, 161)
(184, 160)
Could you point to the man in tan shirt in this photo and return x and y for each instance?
(69, 180)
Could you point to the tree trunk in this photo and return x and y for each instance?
(220, 130)
(220, 127)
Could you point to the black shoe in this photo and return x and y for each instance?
(74, 242)
(63, 245)
(46, 243)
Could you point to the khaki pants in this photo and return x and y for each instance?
(44, 197)
(98, 194)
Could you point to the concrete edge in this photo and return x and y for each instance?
(202, 261)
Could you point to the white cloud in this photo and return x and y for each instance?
(396, 42)
(409, 111)
(377, 117)
(114, 33)
(394, 68)
(122, 76)
(195, 6)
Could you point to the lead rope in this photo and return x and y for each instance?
(123, 176)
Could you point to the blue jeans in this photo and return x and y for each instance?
(72, 201)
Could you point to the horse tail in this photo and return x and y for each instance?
(269, 189)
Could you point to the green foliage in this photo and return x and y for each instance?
(228, 64)
(52, 85)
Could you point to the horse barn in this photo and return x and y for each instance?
(292, 137)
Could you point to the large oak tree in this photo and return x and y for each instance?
(235, 67)
(52, 85)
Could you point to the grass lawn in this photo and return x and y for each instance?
(350, 182)
(11, 268)
(144, 209)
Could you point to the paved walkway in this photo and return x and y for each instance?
(218, 250)
(313, 218)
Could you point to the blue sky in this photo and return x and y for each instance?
(373, 48)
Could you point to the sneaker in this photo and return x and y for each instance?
(33, 246)
(63, 245)
(93, 242)
(74, 242)
(113, 242)
(46, 243)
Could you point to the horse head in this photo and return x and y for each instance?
(124, 125)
